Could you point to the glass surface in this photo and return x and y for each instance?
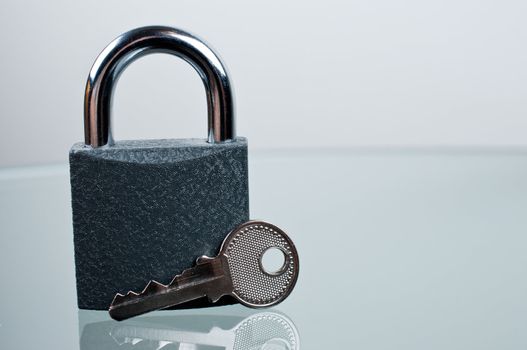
(398, 250)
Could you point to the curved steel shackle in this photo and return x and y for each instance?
(142, 41)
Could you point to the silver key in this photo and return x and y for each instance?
(237, 271)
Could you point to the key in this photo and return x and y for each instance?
(237, 270)
(263, 330)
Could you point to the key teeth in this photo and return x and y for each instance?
(174, 281)
(203, 259)
(152, 287)
(131, 295)
(118, 298)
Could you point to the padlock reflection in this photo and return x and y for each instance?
(263, 330)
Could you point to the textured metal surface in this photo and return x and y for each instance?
(244, 249)
(236, 271)
(146, 209)
(146, 40)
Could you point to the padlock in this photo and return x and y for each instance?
(146, 209)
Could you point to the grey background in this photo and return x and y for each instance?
(326, 74)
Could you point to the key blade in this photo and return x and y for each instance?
(153, 287)
(209, 278)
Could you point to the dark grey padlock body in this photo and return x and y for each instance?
(146, 210)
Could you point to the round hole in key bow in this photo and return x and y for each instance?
(273, 261)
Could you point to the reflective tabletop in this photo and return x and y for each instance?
(405, 249)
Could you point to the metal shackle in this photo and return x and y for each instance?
(146, 40)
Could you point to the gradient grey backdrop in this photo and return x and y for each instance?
(307, 74)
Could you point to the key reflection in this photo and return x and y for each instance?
(262, 330)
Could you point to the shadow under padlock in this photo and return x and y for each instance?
(146, 209)
(262, 330)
